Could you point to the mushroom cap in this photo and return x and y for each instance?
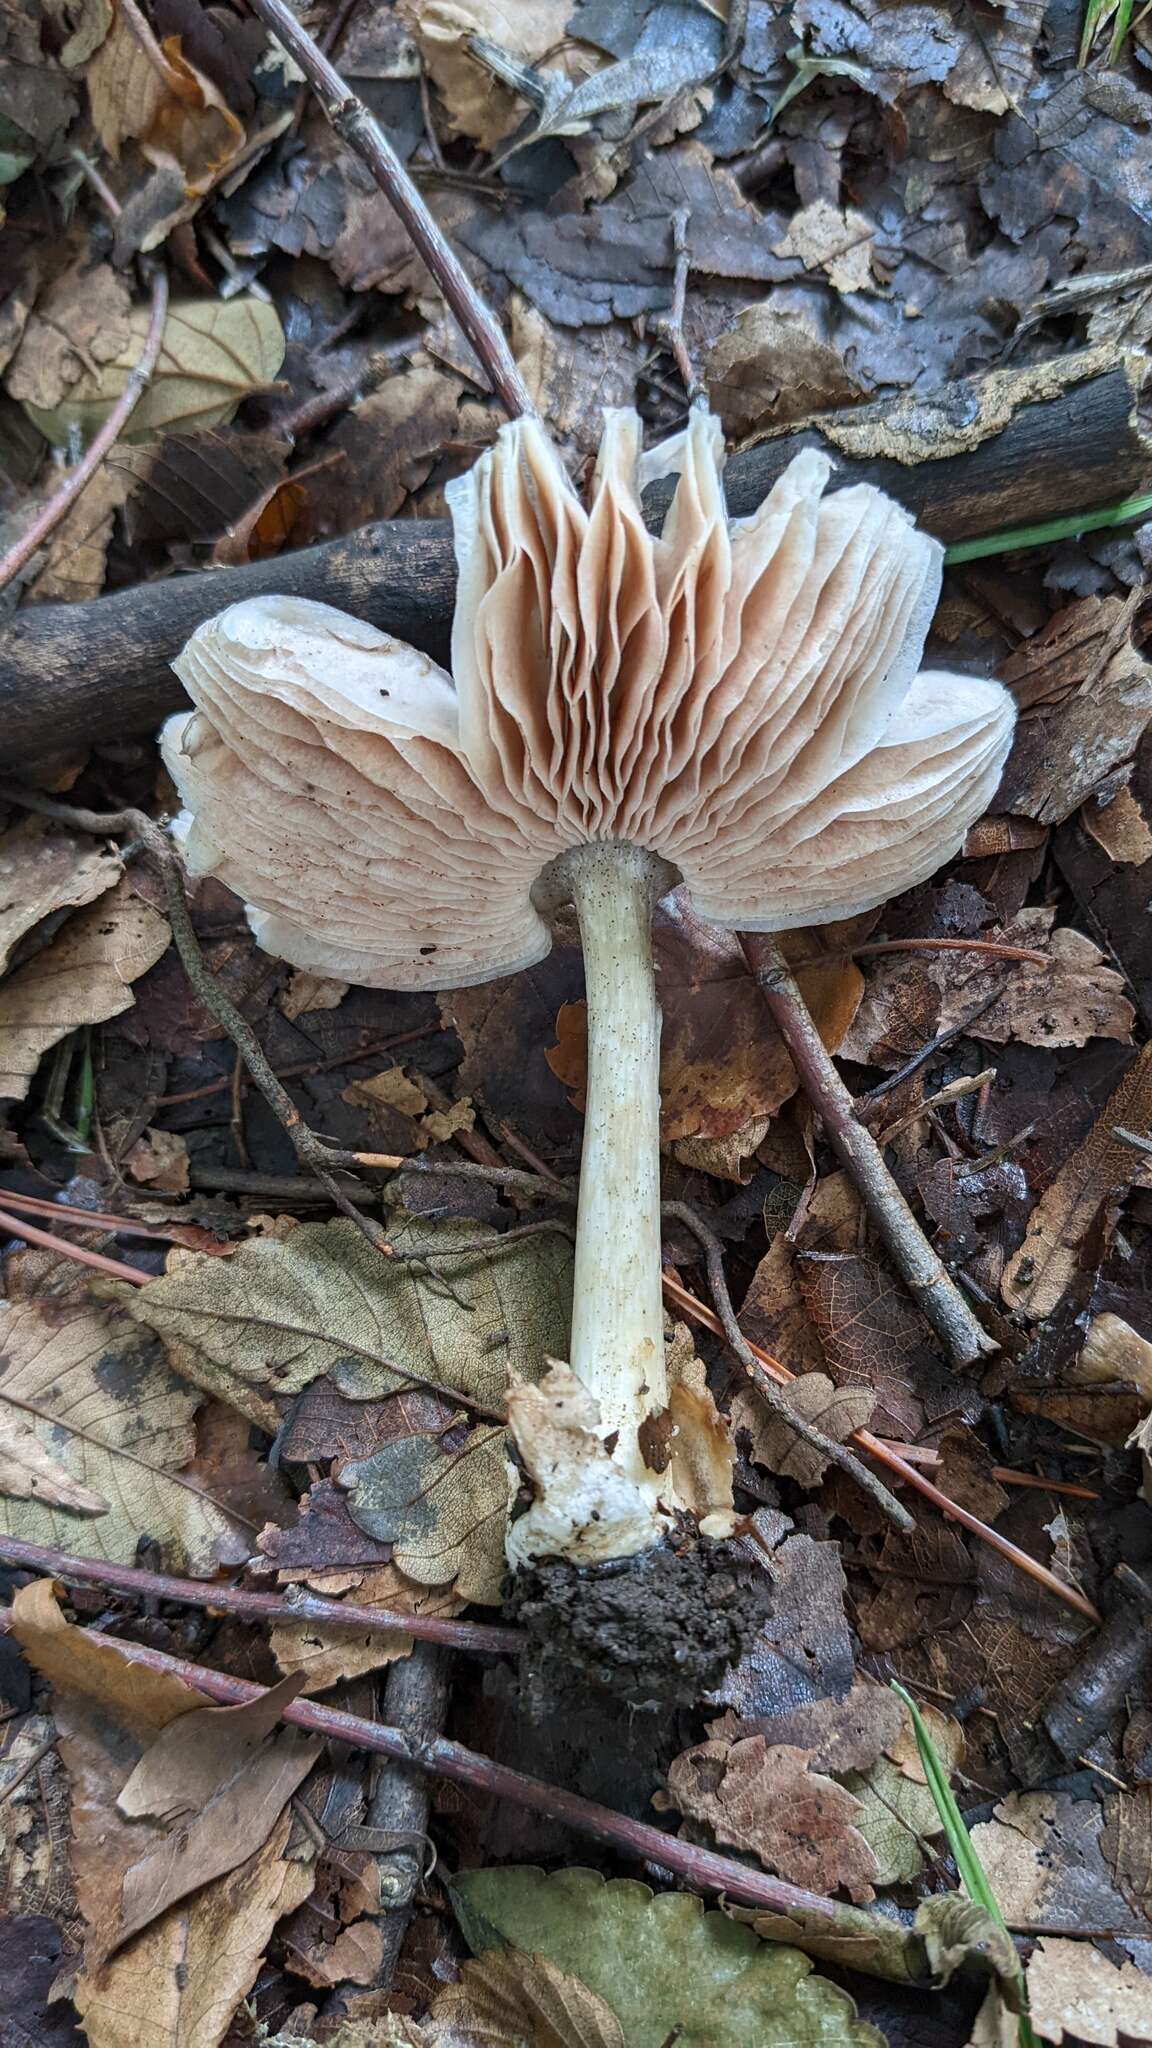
(739, 696)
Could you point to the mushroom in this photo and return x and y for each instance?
(735, 704)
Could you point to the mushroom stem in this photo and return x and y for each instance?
(617, 1349)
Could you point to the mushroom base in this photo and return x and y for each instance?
(659, 1630)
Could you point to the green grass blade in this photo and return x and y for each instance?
(972, 1874)
(1069, 528)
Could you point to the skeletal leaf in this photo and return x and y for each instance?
(216, 352)
(82, 977)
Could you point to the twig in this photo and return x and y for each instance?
(669, 326)
(113, 1269)
(69, 489)
(929, 1051)
(354, 125)
(769, 1389)
(350, 1056)
(885, 1454)
(478, 1638)
(415, 1702)
(921, 1269)
(29, 1764)
(450, 1760)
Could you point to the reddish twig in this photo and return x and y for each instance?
(115, 1269)
(477, 1637)
(885, 1454)
(68, 490)
(450, 1760)
(923, 1272)
(354, 125)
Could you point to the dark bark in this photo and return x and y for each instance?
(75, 674)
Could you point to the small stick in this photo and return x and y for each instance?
(415, 1702)
(768, 1389)
(440, 1758)
(993, 948)
(478, 1638)
(354, 125)
(68, 490)
(670, 326)
(921, 1269)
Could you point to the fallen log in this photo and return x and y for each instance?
(988, 452)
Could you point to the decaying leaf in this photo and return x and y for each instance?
(159, 1160)
(260, 1326)
(145, 91)
(111, 1417)
(478, 104)
(323, 1654)
(837, 1411)
(216, 352)
(45, 871)
(1086, 697)
(776, 364)
(28, 1470)
(1076, 1994)
(80, 325)
(659, 1962)
(1112, 1350)
(444, 1511)
(83, 977)
(897, 1811)
(1042, 1853)
(835, 240)
(916, 996)
(1101, 1168)
(767, 1800)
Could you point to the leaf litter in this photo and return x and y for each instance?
(879, 203)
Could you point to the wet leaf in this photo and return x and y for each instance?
(216, 352)
(659, 1962)
(112, 1418)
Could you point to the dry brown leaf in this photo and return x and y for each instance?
(916, 996)
(1076, 1994)
(304, 992)
(159, 1159)
(767, 1801)
(354, 1957)
(1101, 1168)
(42, 872)
(1119, 828)
(1112, 1350)
(180, 1982)
(701, 1452)
(1086, 697)
(392, 1090)
(83, 977)
(28, 1470)
(506, 1998)
(75, 557)
(82, 322)
(571, 387)
(193, 1757)
(323, 1655)
(832, 239)
(145, 91)
(477, 103)
(837, 1411)
(777, 363)
(1042, 1853)
(774, 1314)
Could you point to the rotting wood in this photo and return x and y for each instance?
(1064, 441)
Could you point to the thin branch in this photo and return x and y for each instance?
(113, 1269)
(354, 125)
(769, 1389)
(67, 492)
(994, 949)
(922, 1270)
(669, 327)
(450, 1760)
(476, 1637)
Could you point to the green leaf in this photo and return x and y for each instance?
(660, 1962)
(216, 352)
(260, 1326)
